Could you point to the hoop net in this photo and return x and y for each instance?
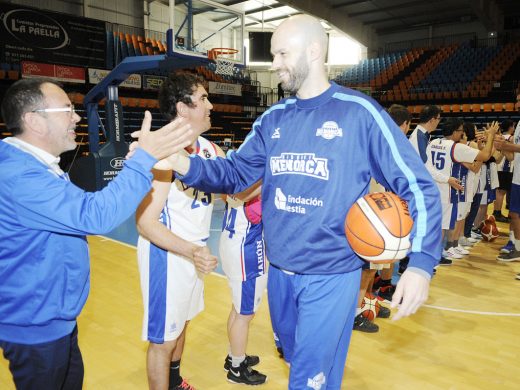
(225, 65)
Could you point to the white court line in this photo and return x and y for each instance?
(483, 313)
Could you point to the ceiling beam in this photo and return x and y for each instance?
(424, 25)
(392, 7)
(347, 3)
(271, 19)
(252, 11)
(413, 15)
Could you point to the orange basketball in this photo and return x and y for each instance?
(489, 229)
(370, 306)
(378, 227)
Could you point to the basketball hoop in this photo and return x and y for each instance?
(225, 65)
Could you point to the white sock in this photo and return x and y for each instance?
(517, 244)
(237, 360)
(511, 236)
(358, 311)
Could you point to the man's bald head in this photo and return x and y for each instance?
(306, 29)
(299, 47)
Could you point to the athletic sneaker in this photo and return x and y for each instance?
(459, 249)
(466, 243)
(183, 386)
(365, 325)
(384, 312)
(444, 261)
(251, 360)
(246, 375)
(386, 292)
(451, 254)
(514, 255)
(501, 218)
(476, 234)
(508, 247)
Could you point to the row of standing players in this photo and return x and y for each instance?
(468, 183)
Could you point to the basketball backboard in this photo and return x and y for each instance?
(201, 25)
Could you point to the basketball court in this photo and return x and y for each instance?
(465, 337)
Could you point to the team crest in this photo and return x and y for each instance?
(206, 153)
(329, 130)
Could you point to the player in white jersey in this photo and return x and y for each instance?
(514, 207)
(242, 253)
(443, 154)
(173, 222)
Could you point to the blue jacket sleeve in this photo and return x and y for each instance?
(44, 202)
(231, 175)
(393, 161)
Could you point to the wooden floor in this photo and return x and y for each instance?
(467, 337)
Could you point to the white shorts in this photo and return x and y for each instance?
(247, 295)
(449, 215)
(463, 210)
(378, 266)
(173, 292)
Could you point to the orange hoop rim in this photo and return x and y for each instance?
(214, 53)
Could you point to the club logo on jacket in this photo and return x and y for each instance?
(306, 164)
(276, 133)
(206, 153)
(329, 130)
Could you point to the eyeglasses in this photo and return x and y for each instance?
(70, 109)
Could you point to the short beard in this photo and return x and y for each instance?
(297, 76)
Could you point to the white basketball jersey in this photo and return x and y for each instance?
(442, 155)
(241, 247)
(187, 212)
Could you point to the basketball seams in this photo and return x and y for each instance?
(392, 199)
(364, 214)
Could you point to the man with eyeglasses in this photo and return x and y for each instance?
(44, 261)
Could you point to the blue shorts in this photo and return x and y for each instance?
(312, 317)
(514, 205)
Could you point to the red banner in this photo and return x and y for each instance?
(69, 74)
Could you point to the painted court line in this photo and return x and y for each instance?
(483, 313)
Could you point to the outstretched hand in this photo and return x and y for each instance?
(164, 142)
(410, 293)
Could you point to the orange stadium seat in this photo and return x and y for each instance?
(498, 107)
(487, 107)
(475, 107)
(446, 108)
(466, 108)
(509, 106)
